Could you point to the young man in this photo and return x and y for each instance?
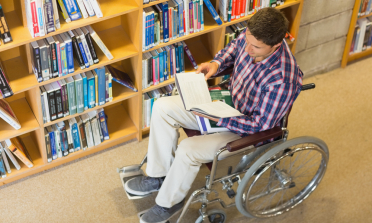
(265, 83)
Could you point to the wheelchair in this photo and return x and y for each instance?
(265, 177)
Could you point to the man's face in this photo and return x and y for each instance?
(256, 48)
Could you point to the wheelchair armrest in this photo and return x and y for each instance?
(254, 139)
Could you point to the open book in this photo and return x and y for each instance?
(194, 93)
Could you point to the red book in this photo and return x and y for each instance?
(242, 13)
(237, 9)
(233, 10)
(35, 26)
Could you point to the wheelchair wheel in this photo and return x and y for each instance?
(282, 177)
(214, 216)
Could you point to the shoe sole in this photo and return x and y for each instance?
(167, 220)
(138, 193)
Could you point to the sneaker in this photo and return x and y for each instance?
(143, 185)
(158, 214)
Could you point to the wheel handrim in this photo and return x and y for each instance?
(289, 178)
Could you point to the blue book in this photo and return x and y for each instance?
(52, 141)
(101, 85)
(147, 31)
(164, 7)
(85, 89)
(91, 89)
(212, 10)
(166, 52)
(201, 17)
(75, 135)
(152, 28)
(180, 57)
(103, 123)
(69, 52)
(72, 9)
(81, 47)
(171, 62)
(180, 17)
(161, 66)
(177, 60)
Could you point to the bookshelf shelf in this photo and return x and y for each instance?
(359, 55)
(365, 16)
(21, 35)
(121, 31)
(25, 117)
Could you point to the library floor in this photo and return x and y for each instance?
(337, 111)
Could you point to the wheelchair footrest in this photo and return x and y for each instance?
(126, 175)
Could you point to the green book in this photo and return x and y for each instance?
(71, 95)
(79, 93)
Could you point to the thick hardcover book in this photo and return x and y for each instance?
(47, 146)
(36, 61)
(77, 53)
(82, 134)
(72, 9)
(92, 50)
(103, 123)
(7, 114)
(121, 78)
(85, 47)
(44, 59)
(189, 55)
(49, 16)
(212, 10)
(51, 102)
(85, 88)
(101, 77)
(53, 56)
(99, 42)
(91, 89)
(81, 48)
(58, 99)
(79, 93)
(10, 155)
(71, 95)
(15, 149)
(196, 97)
(69, 52)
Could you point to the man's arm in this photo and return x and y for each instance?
(226, 57)
(272, 105)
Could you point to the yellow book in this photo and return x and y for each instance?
(96, 85)
(17, 151)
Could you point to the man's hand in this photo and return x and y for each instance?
(209, 69)
(201, 115)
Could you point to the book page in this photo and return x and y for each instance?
(217, 109)
(193, 89)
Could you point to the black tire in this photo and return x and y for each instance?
(214, 216)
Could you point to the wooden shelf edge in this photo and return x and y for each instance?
(365, 16)
(154, 3)
(71, 157)
(359, 55)
(62, 30)
(162, 84)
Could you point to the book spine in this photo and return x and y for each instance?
(78, 57)
(91, 93)
(59, 59)
(81, 47)
(43, 108)
(180, 21)
(40, 17)
(85, 87)
(89, 7)
(63, 98)
(64, 11)
(161, 68)
(12, 158)
(5, 160)
(2, 167)
(37, 63)
(182, 61)
(86, 50)
(44, 63)
(101, 86)
(144, 31)
(82, 8)
(75, 137)
(189, 55)
(58, 96)
(34, 20)
(72, 9)
(201, 15)
(79, 92)
(52, 106)
(103, 124)
(195, 16)
(71, 98)
(152, 19)
(49, 16)
(107, 87)
(177, 60)
(147, 35)
(64, 143)
(83, 137)
(20, 155)
(53, 57)
(213, 12)
(110, 88)
(96, 8)
(57, 138)
(70, 141)
(53, 145)
(102, 46)
(9, 120)
(55, 14)
(70, 57)
(48, 149)
(92, 50)
(191, 17)
(66, 108)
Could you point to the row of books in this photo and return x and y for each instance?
(81, 92)
(162, 64)
(148, 100)
(230, 10)
(234, 31)
(365, 7)
(54, 56)
(175, 18)
(79, 133)
(5, 35)
(43, 18)
(11, 152)
(362, 38)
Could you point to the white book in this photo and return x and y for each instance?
(223, 8)
(46, 104)
(82, 9)
(187, 21)
(85, 45)
(40, 17)
(195, 96)
(99, 42)
(30, 5)
(10, 155)
(89, 7)
(95, 125)
(7, 114)
(57, 24)
(5, 159)
(69, 137)
(96, 8)
(88, 130)
(362, 24)
(202, 13)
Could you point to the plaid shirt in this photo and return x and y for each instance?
(263, 91)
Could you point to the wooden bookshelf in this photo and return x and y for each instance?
(347, 57)
(121, 31)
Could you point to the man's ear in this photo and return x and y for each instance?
(278, 45)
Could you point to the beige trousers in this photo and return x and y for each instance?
(181, 165)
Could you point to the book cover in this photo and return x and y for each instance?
(18, 152)
(49, 16)
(79, 93)
(5, 159)
(63, 10)
(121, 78)
(85, 46)
(7, 114)
(72, 9)
(32, 21)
